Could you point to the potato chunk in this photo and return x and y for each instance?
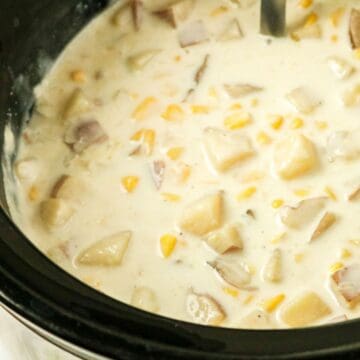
(343, 145)
(273, 268)
(302, 100)
(203, 216)
(204, 309)
(294, 156)
(305, 310)
(226, 149)
(106, 252)
(193, 33)
(340, 67)
(145, 299)
(55, 212)
(225, 239)
(68, 188)
(27, 169)
(346, 285)
(232, 31)
(257, 319)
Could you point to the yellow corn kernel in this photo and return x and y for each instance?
(175, 153)
(357, 54)
(247, 193)
(167, 244)
(236, 106)
(301, 192)
(299, 257)
(312, 19)
(335, 16)
(277, 122)
(248, 299)
(185, 173)
(237, 120)
(297, 123)
(321, 125)
(335, 267)
(173, 113)
(142, 110)
(252, 176)
(263, 138)
(231, 292)
(33, 193)
(213, 93)
(254, 102)
(330, 193)
(277, 203)
(171, 197)
(78, 76)
(130, 183)
(345, 254)
(271, 304)
(177, 58)
(278, 238)
(146, 137)
(334, 38)
(200, 109)
(219, 10)
(305, 3)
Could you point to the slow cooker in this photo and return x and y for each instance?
(65, 311)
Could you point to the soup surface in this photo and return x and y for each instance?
(183, 163)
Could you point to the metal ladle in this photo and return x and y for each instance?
(273, 17)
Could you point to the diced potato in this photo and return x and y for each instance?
(340, 67)
(106, 252)
(354, 29)
(203, 216)
(294, 156)
(76, 105)
(141, 59)
(225, 239)
(305, 310)
(233, 273)
(271, 304)
(303, 213)
(273, 268)
(351, 97)
(232, 31)
(257, 319)
(68, 188)
(325, 223)
(193, 33)
(346, 285)
(240, 90)
(226, 149)
(302, 100)
(167, 244)
(27, 169)
(55, 212)
(145, 299)
(204, 309)
(176, 12)
(343, 145)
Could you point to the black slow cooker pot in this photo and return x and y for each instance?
(62, 309)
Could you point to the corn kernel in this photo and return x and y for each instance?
(237, 120)
(175, 153)
(252, 176)
(305, 3)
(301, 192)
(271, 304)
(335, 17)
(173, 113)
(277, 203)
(277, 122)
(297, 123)
(345, 254)
(246, 194)
(254, 102)
(334, 38)
(330, 193)
(200, 109)
(146, 137)
(33, 193)
(263, 138)
(235, 106)
(312, 19)
(167, 244)
(213, 93)
(177, 58)
(299, 257)
(142, 110)
(185, 172)
(278, 238)
(357, 54)
(219, 10)
(130, 183)
(78, 76)
(171, 197)
(321, 125)
(231, 292)
(335, 267)
(248, 299)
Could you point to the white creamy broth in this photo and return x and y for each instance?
(213, 182)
